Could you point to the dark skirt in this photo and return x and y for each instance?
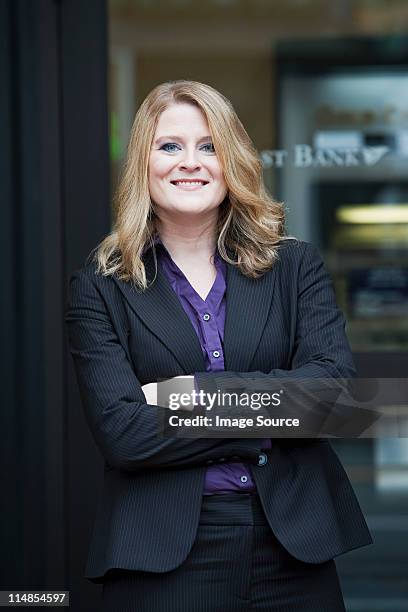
(236, 564)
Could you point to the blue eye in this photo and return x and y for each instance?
(208, 147)
(166, 146)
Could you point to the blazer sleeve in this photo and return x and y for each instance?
(123, 425)
(321, 361)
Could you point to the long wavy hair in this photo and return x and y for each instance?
(250, 221)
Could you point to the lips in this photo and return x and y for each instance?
(189, 183)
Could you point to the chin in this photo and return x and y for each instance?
(190, 208)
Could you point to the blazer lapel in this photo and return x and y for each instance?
(248, 305)
(160, 310)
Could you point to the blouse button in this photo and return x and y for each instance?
(244, 478)
(216, 353)
(206, 317)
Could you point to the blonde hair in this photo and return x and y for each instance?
(250, 221)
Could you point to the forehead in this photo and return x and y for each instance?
(182, 117)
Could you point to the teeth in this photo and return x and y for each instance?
(188, 182)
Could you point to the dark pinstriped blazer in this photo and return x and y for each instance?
(120, 339)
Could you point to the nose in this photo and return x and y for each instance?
(190, 160)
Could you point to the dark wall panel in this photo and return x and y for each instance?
(54, 172)
(86, 221)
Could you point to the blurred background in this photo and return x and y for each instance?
(322, 89)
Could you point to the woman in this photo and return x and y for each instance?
(197, 278)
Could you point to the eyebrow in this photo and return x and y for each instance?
(204, 139)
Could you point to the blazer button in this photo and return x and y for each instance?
(210, 461)
(262, 459)
(221, 460)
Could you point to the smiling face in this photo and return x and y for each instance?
(185, 177)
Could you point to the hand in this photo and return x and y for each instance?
(186, 385)
(150, 391)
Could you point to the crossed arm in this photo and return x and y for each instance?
(125, 426)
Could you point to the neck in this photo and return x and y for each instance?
(188, 240)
